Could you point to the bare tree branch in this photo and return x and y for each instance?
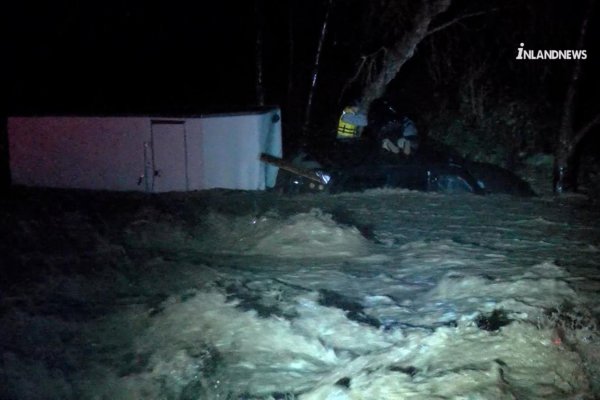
(566, 142)
(585, 129)
(367, 60)
(258, 51)
(567, 139)
(363, 60)
(459, 18)
(316, 66)
(402, 50)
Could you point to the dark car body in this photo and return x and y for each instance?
(433, 167)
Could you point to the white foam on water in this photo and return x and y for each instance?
(313, 352)
(313, 234)
(303, 305)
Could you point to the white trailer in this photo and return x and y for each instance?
(145, 153)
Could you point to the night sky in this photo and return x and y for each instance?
(71, 56)
(138, 57)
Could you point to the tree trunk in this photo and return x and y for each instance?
(402, 50)
(564, 178)
(260, 88)
(290, 86)
(315, 71)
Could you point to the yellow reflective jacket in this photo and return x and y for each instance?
(346, 130)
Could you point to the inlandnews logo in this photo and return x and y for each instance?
(523, 54)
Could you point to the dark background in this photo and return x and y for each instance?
(131, 57)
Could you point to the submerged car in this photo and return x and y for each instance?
(432, 168)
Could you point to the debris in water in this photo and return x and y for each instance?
(410, 370)
(492, 322)
(345, 382)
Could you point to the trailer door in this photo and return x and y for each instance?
(169, 156)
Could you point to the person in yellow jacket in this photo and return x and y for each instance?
(351, 123)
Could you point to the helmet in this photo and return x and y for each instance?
(409, 130)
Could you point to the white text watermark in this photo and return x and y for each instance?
(523, 54)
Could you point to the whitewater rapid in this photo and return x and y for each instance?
(387, 294)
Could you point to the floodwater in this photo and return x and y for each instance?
(387, 294)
